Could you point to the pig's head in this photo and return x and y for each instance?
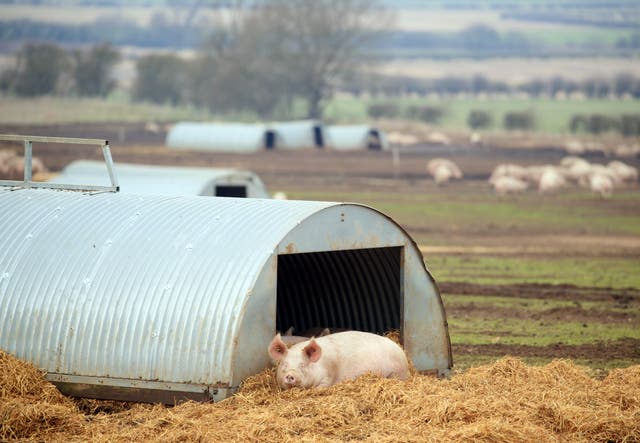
(296, 366)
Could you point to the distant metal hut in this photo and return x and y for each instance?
(156, 298)
(240, 137)
(301, 134)
(167, 180)
(355, 137)
(220, 137)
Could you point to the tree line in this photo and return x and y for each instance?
(173, 32)
(162, 32)
(268, 58)
(42, 69)
(622, 84)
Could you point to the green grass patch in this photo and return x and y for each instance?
(563, 35)
(580, 271)
(551, 116)
(49, 110)
(512, 331)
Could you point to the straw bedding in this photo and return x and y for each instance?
(507, 401)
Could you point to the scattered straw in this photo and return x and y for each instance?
(507, 401)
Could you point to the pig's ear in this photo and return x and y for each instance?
(289, 331)
(277, 348)
(313, 351)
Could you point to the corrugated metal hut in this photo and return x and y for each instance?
(167, 180)
(240, 137)
(355, 137)
(301, 134)
(220, 137)
(150, 298)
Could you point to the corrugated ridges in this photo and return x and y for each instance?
(98, 285)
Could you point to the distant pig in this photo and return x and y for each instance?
(325, 361)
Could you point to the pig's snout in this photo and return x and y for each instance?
(289, 380)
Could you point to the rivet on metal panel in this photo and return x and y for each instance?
(342, 216)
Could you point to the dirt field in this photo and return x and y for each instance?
(372, 177)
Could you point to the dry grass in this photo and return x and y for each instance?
(507, 402)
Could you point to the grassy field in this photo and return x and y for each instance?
(552, 116)
(50, 110)
(475, 209)
(590, 272)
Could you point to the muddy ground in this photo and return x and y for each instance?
(321, 171)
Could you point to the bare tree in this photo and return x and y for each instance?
(298, 48)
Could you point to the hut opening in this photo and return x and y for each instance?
(359, 289)
(318, 136)
(231, 191)
(270, 139)
(373, 140)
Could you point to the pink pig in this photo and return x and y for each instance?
(325, 361)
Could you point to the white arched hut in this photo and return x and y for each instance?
(301, 134)
(220, 137)
(355, 137)
(155, 298)
(245, 137)
(167, 180)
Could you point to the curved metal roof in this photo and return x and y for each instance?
(241, 137)
(161, 180)
(232, 137)
(353, 137)
(296, 134)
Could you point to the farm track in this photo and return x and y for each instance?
(538, 246)
(557, 314)
(619, 297)
(627, 348)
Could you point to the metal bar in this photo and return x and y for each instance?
(28, 168)
(128, 382)
(40, 139)
(138, 395)
(45, 185)
(109, 161)
(137, 390)
(28, 158)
